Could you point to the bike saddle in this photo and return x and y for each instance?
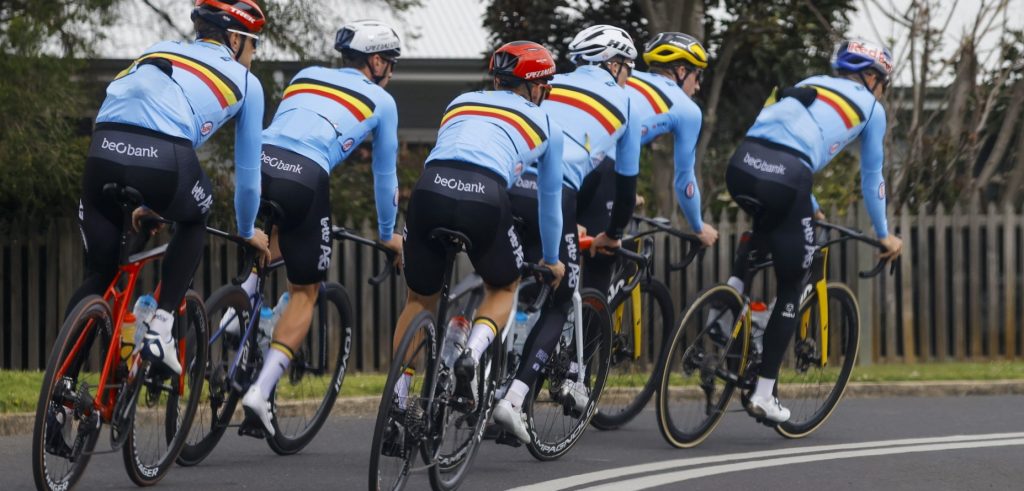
(749, 203)
(453, 237)
(124, 195)
(271, 209)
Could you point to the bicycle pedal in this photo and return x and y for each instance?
(506, 438)
(253, 429)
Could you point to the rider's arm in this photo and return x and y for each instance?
(871, 157)
(814, 203)
(549, 195)
(385, 162)
(627, 166)
(249, 124)
(686, 132)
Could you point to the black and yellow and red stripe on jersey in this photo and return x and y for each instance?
(609, 116)
(659, 102)
(226, 91)
(359, 105)
(523, 125)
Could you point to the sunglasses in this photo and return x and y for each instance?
(545, 88)
(255, 38)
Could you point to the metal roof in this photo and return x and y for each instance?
(437, 29)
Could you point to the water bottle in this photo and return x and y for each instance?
(266, 333)
(279, 308)
(759, 314)
(127, 335)
(455, 340)
(143, 311)
(520, 328)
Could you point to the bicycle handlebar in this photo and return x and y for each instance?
(342, 233)
(586, 242)
(853, 234)
(694, 246)
(546, 276)
(249, 257)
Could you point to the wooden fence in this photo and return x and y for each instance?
(956, 295)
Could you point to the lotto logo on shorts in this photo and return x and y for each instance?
(203, 200)
(809, 247)
(457, 184)
(129, 149)
(517, 248)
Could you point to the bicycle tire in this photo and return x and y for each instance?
(333, 335)
(656, 302)
(191, 329)
(92, 308)
(209, 426)
(547, 442)
(387, 421)
(693, 351)
(844, 344)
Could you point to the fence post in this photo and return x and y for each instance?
(957, 292)
(906, 287)
(922, 283)
(975, 260)
(865, 291)
(941, 285)
(992, 297)
(31, 361)
(1010, 281)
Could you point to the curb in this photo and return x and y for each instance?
(366, 406)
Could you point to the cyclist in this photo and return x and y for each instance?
(485, 140)
(157, 111)
(324, 115)
(791, 140)
(594, 110)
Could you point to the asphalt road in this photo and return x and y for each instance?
(960, 443)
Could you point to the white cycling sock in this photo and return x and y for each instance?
(275, 363)
(250, 283)
(517, 393)
(764, 388)
(735, 282)
(160, 324)
(402, 387)
(481, 336)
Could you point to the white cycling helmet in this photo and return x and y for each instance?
(601, 43)
(368, 37)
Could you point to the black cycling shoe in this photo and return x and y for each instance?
(465, 374)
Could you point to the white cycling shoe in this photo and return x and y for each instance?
(768, 408)
(578, 392)
(512, 419)
(161, 354)
(229, 322)
(256, 405)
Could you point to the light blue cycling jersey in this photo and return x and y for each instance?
(661, 106)
(503, 132)
(843, 110)
(326, 113)
(207, 87)
(598, 120)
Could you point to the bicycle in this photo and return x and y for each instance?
(642, 307)
(714, 350)
(444, 430)
(87, 383)
(316, 372)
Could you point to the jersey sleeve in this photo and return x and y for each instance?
(549, 195)
(627, 148)
(871, 158)
(247, 157)
(385, 173)
(686, 131)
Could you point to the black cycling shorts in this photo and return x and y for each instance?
(302, 189)
(472, 200)
(525, 208)
(597, 197)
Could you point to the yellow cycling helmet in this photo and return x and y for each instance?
(673, 47)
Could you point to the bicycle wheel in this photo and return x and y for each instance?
(812, 389)
(219, 399)
(692, 395)
(165, 405)
(401, 426)
(67, 425)
(315, 374)
(553, 421)
(635, 362)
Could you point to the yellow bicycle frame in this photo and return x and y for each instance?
(821, 287)
(634, 297)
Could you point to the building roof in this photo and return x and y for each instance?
(436, 29)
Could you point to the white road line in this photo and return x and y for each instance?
(620, 472)
(675, 477)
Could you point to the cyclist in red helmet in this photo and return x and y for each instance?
(486, 140)
(171, 100)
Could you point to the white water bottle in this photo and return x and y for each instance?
(143, 311)
(521, 328)
(279, 308)
(266, 328)
(455, 340)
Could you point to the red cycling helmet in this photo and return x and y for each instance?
(243, 15)
(524, 60)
